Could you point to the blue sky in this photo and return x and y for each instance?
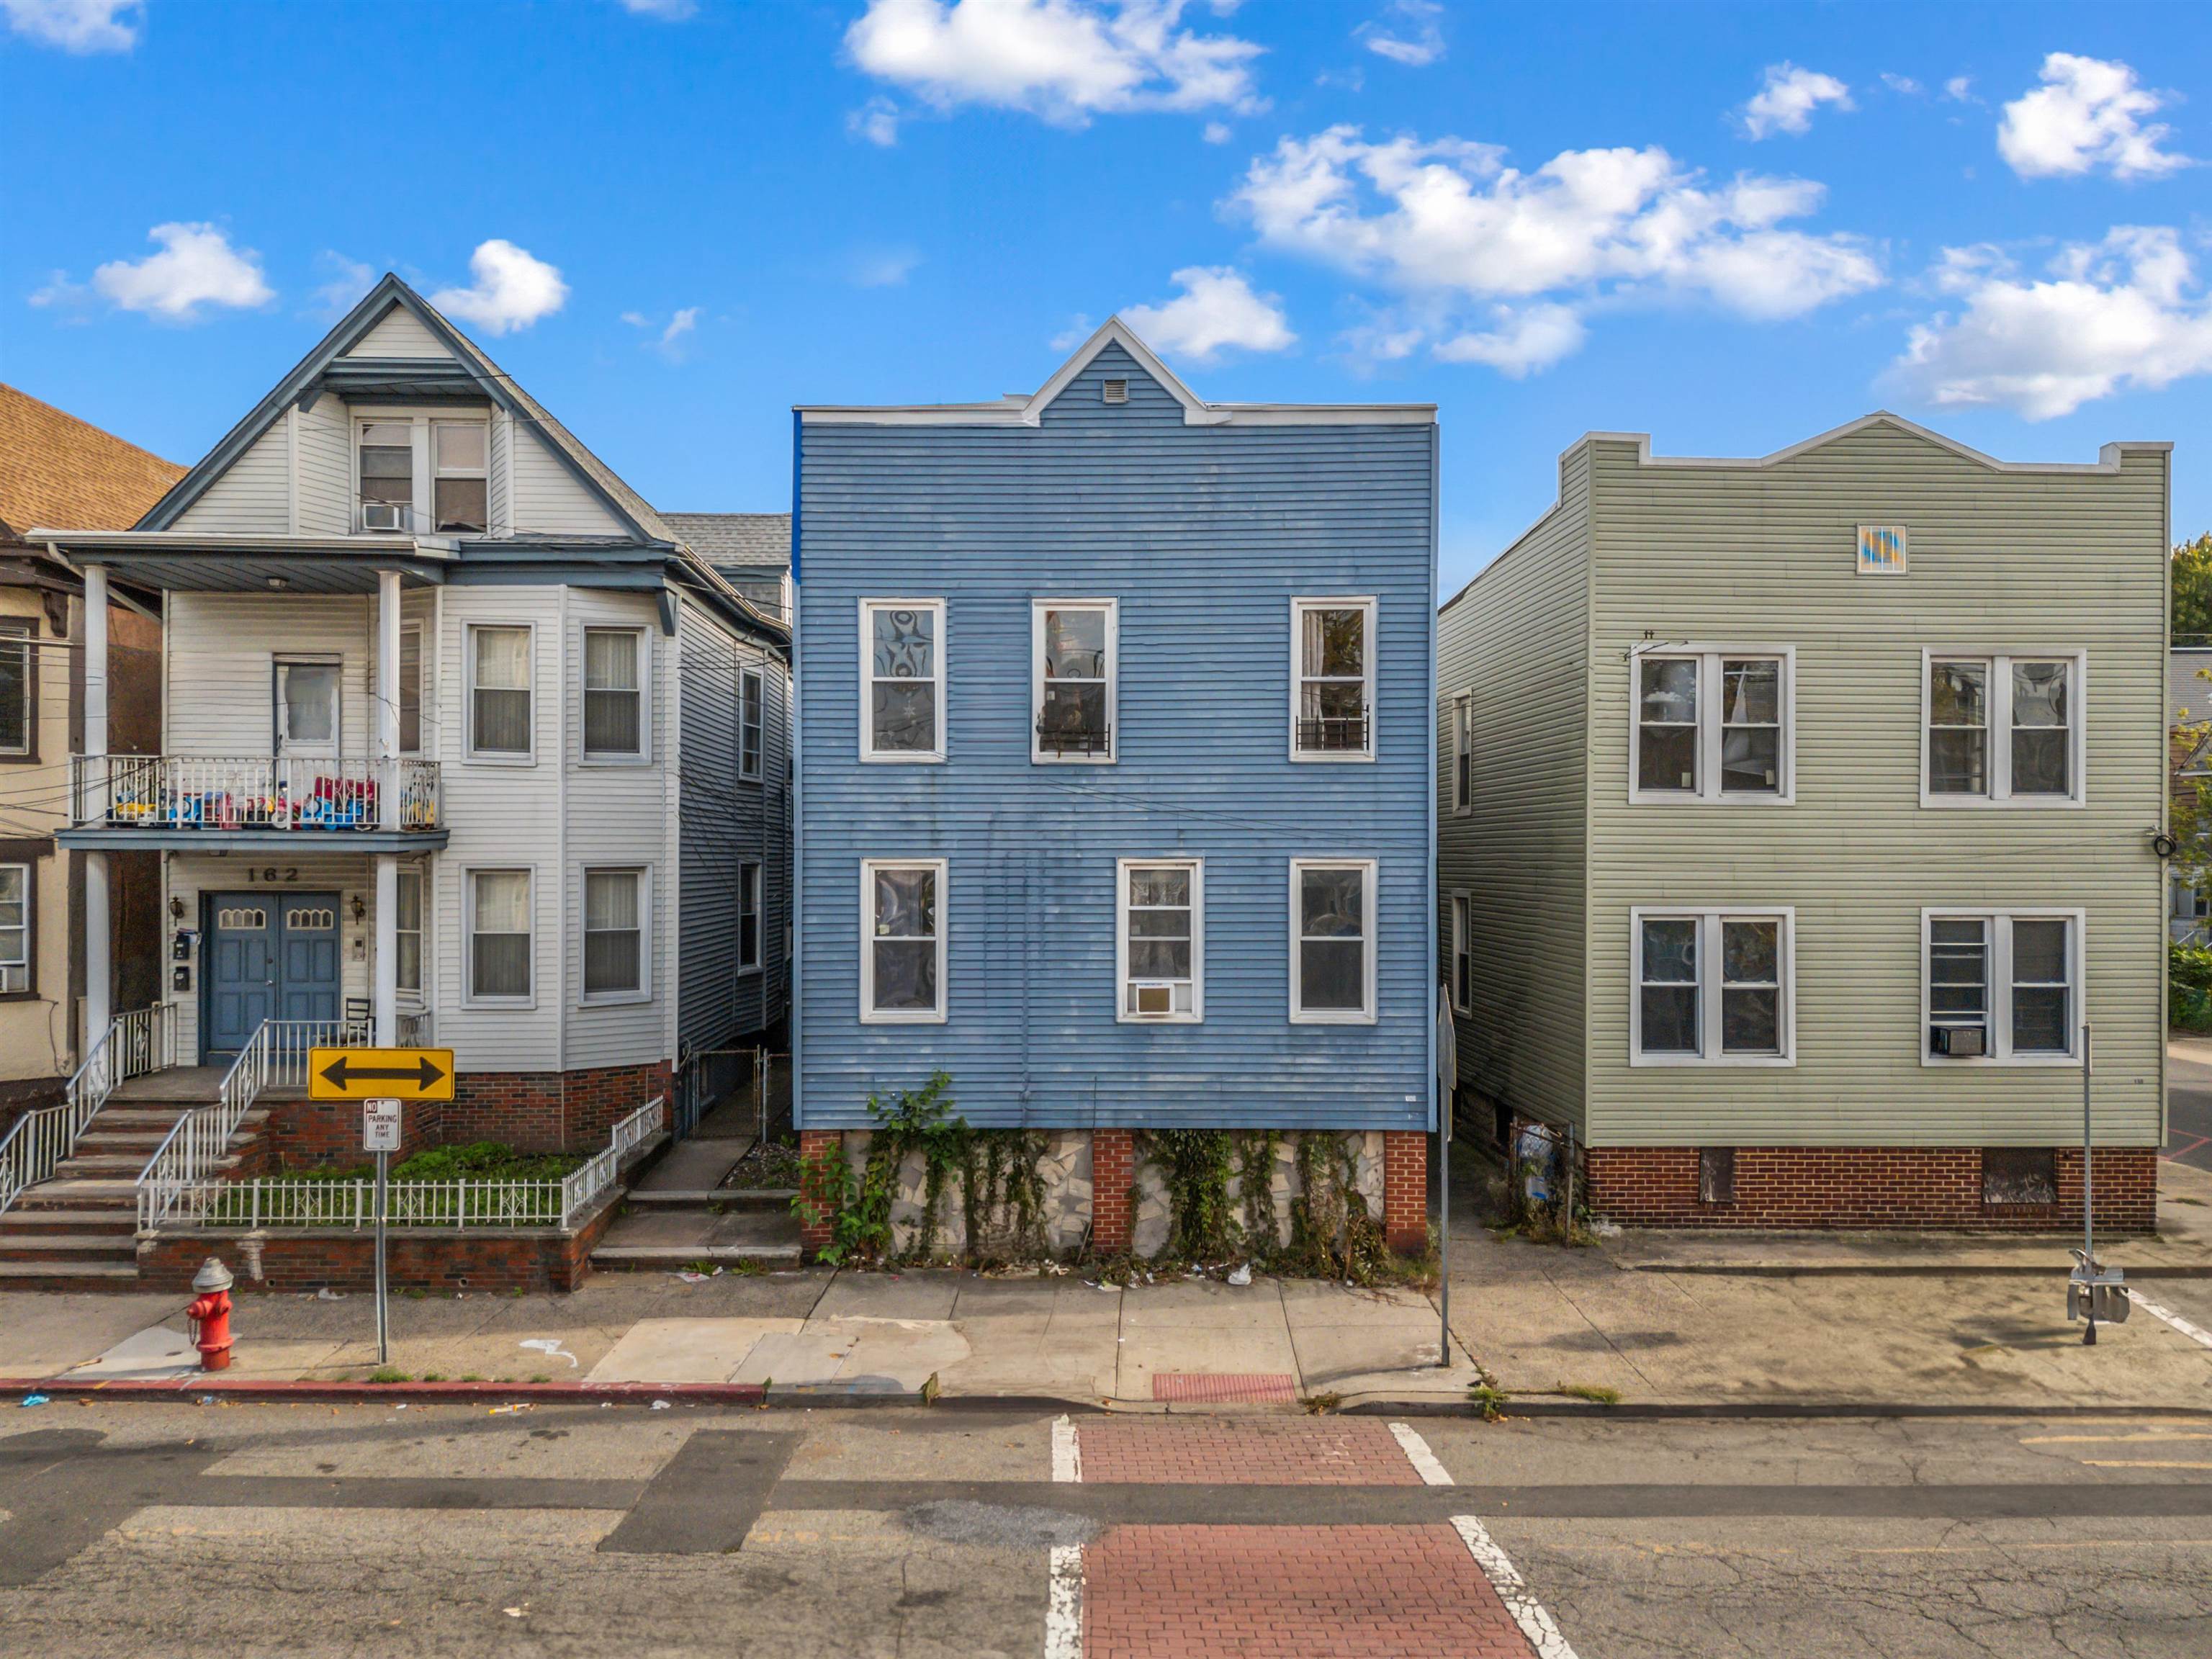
(672, 219)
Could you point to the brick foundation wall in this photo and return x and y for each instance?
(1113, 1172)
(294, 1261)
(1406, 1191)
(547, 1111)
(1934, 1187)
(818, 1151)
(310, 1134)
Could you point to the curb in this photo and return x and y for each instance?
(1775, 1410)
(277, 1389)
(1902, 1270)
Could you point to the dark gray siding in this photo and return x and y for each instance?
(1204, 535)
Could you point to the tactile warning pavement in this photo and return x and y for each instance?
(1226, 1388)
(1244, 1451)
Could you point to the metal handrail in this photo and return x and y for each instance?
(197, 1141)
(144, 1040)
(583, 1187)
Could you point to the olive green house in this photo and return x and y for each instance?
(1794, 815)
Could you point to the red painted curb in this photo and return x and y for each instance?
(278, 1388)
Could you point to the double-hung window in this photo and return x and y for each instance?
(903, 935)
(411, 688)
(386, 457)
(500, 936)
(1074, 643)
(14, 929)
(460, 476)
(407, 935)
(2000, 985)
(1462, 953)
(748, 916)
(1713, 987)
(456, 469)
(1711, 725)
(1332, 941)
(751, 699)
(2004, 729)
(615, 917)
(500, 692)
(18, 680)
(614, 694)
(902, 679)
(1160, 961)
(1462, 752)
(1332, 679)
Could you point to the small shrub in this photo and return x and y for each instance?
(1489, 1401)
(1591, 1392)
(2189, 980)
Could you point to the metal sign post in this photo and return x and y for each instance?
(2088, 1188)
(1446, 1087)
(380, 1133)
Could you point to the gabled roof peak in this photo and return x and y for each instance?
(2108, 458)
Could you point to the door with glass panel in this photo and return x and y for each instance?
(307, 707)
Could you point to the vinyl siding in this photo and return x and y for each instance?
(1998, 561)
(545, 495)
(499, 504)
(221, 688)
(1204, 535)
(253, 496)
(400, 334)
(324, 440)
(1515, 641)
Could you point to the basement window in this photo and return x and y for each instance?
(1716, 1175)
(2019, 1175)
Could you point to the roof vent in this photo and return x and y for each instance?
(1114, 392)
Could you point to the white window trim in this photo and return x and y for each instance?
(869, 1013)
(596, 757)
(1712, 729)
(416, 997)
(1197, 868)
(422, 687)
(1462, 741)
(28, 961)
(2000, 794)
(1038, 757)
(754, 868)
(429, 471)
(643, 993)
(749, 763)
(933, 756)
(1299, 607)
(1371, 940)
(469, 874)
(1709, 919)
(497, 757)
(1999, 1042)
(423, 484)
(1459, 933)
(278, 662)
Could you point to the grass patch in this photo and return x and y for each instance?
(1591, 1392)
(386, 1373)
(1489, 1401)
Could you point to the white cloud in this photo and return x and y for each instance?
(1447, 223)
(1217, 311)
(1960, 89)
(1079, 328)
(884, 267)
(1521, 343)
(1421, 39)
(2087, 113)
(1904, 85)
(672, 340)
(511, 289)
(2127, 313)
(196, 267)
(1216, 132)
(348, 281)
(877, 121)
(1064, 60)
(669, 11)
(82, 26)
(1786, 102)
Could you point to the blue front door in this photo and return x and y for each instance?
(267, 956)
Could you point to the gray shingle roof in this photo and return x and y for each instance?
(730, 539)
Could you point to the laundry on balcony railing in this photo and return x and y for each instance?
(285, 792)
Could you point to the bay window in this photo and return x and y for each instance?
(614, 693)
(615, 923)
(500, 721)
(500, 936)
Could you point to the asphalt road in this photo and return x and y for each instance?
(312, 1530)
(2189, 1110)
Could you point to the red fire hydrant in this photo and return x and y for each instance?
(210, 1315)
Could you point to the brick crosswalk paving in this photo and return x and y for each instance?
(1244, 1451)
(1349, 1592)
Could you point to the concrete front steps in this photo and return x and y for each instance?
(667, 1228)
(78, 1230)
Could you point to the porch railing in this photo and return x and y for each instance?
(305, 1202)
(141, 1041)
(283, 792)
(276, 1055)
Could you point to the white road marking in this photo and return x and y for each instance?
(1063, 1611)
(2196, 1334)
(1067, 1453)
(1528, 1612)
(2138, 1463)
(2109, 1439)
(1423, 1460)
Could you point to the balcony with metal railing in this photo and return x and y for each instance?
(180, 801)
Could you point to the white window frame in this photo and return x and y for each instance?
(417, 994)
(930, 757)
(497, 756)
(1038, 754)
(1364, 603)
(278, 662)
(27, 963)
(642, 992)
(422, 449)
(1460, 935)
(2001, 918)
(430, 472)
(469, 874)
(1462, 760)
(421, 686)
(869, 1013)
(1371, 940)
(19, 636)
(752, 737)
(1712, 732)
(1121, 981)
(1999, 794)
(751, 887)
(642, 755)
(1709, 919)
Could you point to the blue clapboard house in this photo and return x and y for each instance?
(1117, 762)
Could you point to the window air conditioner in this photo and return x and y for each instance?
(383, 515)
(1957, 1041)
(1153, 999)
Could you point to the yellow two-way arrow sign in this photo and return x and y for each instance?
(384, 1073)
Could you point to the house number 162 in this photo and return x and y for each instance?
(290, 872)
